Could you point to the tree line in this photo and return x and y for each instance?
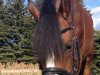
(16, 32)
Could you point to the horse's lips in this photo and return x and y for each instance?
(50, 62)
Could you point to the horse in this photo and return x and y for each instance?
(64, 35)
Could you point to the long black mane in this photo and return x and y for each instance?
(48, 36)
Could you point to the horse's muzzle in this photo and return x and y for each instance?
(54, 71)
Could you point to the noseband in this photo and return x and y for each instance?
(54, 71)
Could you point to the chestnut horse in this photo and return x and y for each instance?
(64, 35)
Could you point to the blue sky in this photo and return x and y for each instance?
(94, 5)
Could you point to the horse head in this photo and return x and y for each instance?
(61, 39)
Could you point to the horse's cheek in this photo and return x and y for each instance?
(66, 37)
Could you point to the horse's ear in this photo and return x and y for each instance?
(57, 4)
(34, 11)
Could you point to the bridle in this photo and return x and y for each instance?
(75, 46)
(75, 41)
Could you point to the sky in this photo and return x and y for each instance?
(94, 6)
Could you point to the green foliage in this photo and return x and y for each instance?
(1, 2)
(96, 58)
(16, 32)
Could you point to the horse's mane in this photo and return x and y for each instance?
(47, 38)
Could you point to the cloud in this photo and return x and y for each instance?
(96, 10)
(96, 17)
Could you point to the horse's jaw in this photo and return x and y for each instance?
(50, 61)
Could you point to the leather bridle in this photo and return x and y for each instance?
(75, 41)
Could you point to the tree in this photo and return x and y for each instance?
(96, 57)
(1, 2)
(16, 32)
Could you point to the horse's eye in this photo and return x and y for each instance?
(67, 47)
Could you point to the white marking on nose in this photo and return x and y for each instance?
(50, 61)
